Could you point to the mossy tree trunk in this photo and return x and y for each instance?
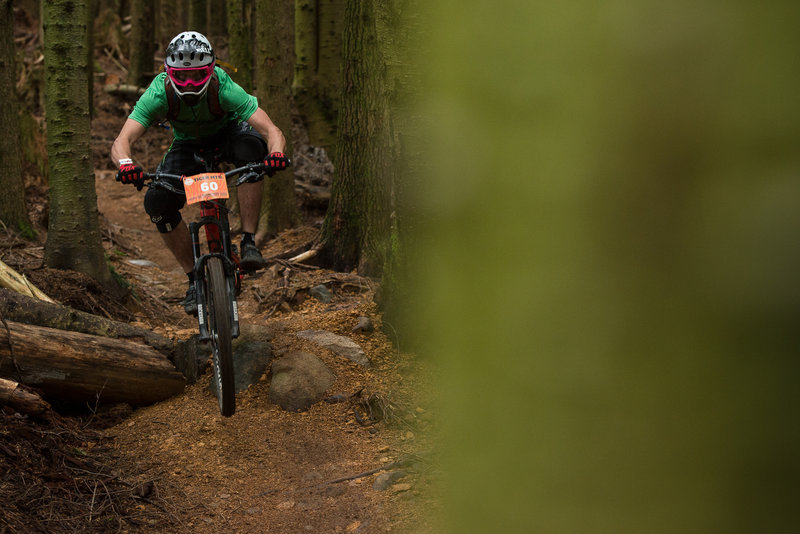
(240, 41)
(400, 33)
(318, 44)
(143, 42)
(73, 239)
(91, 15)
(170, 21)
(358, 221)
(197, 16)
(13, 212)
(216, 20)
(274, 73)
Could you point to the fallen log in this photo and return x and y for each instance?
(22, 309)
(17, 282)
(23, 401)
(73, 366)
(124, 89)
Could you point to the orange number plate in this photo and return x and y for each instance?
(205, 187)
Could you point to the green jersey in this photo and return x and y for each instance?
(195, 122)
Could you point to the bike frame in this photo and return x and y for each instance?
(214, 219)
(219, 306)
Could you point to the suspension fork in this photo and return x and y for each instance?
(217, 231)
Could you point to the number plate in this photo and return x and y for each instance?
(205, 187)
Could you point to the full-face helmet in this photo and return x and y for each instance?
(189, 63)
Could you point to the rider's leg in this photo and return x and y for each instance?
(164, 209)
(250, 205)
(244, 146)
(179, 242)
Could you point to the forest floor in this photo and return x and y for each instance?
(178, 466)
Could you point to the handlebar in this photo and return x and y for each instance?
(251, 172)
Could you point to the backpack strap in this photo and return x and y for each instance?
(173, 101)
(212, 97)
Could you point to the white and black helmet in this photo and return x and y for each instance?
(189, 63)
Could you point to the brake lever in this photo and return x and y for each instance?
(251, 176)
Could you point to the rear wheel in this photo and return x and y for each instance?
(219, 326)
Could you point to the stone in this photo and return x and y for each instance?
(321, 293)
(364, 325)
(398, 488)
(386, 480)
(343, 346)
(299, 379)
(252, 354)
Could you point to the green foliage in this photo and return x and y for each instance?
(27, 231)
(611, 264)
(120, 280)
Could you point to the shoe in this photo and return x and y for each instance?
(251, 258)
(190, 301)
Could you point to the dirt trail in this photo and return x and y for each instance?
(264, 469)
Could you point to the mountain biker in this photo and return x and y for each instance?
(207, 110)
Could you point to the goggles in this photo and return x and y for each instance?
(190, 79)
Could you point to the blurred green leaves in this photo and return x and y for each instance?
(611, 231)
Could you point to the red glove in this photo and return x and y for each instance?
(276, 161)
(130, 173)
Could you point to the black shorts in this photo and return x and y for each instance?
(238, 143)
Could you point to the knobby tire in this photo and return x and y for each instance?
(219, 324)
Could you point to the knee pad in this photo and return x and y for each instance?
(163, 207)
(248, 149)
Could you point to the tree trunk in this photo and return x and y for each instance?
(274, 72)
(79, 367)
(401, 34)
(91, 15)
(73, 240)
(140, 70)
(357, 224)
(197, 16)
(22, 309)
(13, 212)
(240, 41)
(170, 22)
(216, 20)
(318, 44)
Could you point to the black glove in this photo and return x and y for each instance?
(276, 161)
(130, 173)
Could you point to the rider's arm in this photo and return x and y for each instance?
(121, 149)
(271, 133)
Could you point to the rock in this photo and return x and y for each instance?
(321, 293)
(299, 379)
(142, 263)
(385, 480)
(343, 346)
(364, 325)
(334, 490)
(286, 505)
(398, 488)
(252, 354)
(335, 399)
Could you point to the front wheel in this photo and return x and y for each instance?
(219, 326)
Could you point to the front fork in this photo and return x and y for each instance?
(219, 244)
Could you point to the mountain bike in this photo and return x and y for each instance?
(217, 271)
